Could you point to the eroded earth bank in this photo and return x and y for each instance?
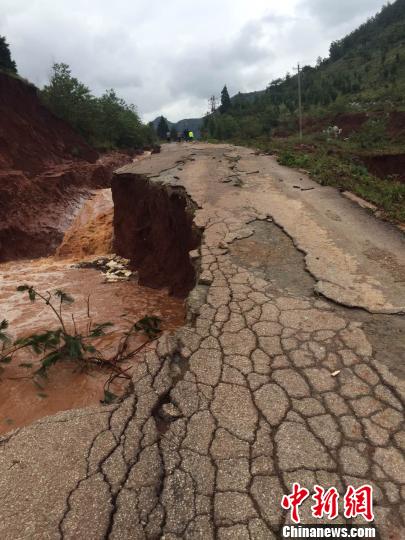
(289, 368)
(56, 204)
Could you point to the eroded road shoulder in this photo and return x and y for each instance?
(266, 385)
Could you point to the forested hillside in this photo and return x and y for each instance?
(360, 89)
(365, 71)
(106, 122)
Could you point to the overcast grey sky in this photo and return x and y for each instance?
(168, 56)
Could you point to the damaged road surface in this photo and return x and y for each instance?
(273, 380)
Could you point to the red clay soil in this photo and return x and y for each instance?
(348, 122)
(388, 165)
(153, 227)
(396, 124)
(35, 212)
(42, 181)
(31, 137)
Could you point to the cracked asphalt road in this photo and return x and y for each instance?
(264, 386)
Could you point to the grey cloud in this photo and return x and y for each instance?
(333, 12)
(169, 57)
(205, 70)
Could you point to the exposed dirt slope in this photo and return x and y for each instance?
(31, 137)
(387, 165)
(45, 171)
(153, 227)
(350, 123)
(35, 212)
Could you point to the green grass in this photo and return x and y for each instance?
(334, 164)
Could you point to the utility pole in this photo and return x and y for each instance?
(212, 103)
(299, 100)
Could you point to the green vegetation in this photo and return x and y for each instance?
(107, 122)
(225, 101)
(360, 88)
(6, 62)
(162, 128)
(365, 72)
(334, 164)
(67, 343)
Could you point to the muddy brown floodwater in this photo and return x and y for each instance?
(91, 231)
(21, 399)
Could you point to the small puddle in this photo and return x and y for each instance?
(122, 303)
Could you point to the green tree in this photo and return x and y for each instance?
(162, 128)
(6, 62)
(107, 122)
(119, 124)
(71, 100)
(110, 119)
(225, 101)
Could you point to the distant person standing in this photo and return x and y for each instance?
(168, 137)
(190, 136)
(185, 134)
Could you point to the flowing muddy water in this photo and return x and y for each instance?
(22, 400)
(91, 231)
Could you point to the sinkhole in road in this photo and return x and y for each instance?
(271, 254)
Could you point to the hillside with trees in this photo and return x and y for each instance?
(365, 71)
(106, 122)
(353, 110)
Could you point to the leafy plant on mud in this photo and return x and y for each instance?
(5, 341)
(64, 344)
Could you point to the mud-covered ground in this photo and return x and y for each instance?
(24, 397)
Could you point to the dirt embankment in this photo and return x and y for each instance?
(31, 137)
(46, 170)
(386, 165)
(35, 212)
(153, 227)
(350, 123)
